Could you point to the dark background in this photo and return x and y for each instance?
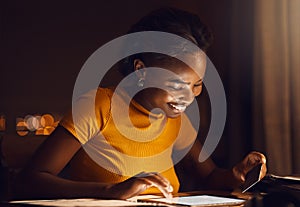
(45, 43)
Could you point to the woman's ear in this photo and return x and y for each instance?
(139, 64)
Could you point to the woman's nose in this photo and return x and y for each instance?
(187, 95)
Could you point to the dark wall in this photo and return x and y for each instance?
(45, 43)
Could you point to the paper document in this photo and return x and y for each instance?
(143, 200)
(79, 202)
(199, 200)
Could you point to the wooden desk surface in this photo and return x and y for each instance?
(96, 202)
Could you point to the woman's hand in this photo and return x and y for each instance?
(250, 161)
(139, 183)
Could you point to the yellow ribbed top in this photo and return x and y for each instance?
(120, 138)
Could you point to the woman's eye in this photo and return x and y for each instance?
(198, 85)
(176, 86)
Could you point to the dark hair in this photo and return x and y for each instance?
(175, 21)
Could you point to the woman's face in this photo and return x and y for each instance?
(177, 87)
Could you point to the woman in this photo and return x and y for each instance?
(128, 141)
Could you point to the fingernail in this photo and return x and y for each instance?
(169, 196)
(170, 188)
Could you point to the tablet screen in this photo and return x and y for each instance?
(199, 200)
(252, 178)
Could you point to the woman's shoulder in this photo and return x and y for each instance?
(104, 94)
(98, 95)
(107, 91)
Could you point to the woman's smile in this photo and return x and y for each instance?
(177, 108)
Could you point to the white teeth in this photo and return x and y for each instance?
(178, 107)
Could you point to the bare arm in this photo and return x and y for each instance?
(235, 177)
(213, 177)
(39, 179)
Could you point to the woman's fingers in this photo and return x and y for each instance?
(161, 183)
(257, 157)
(249, 162)
(139, 183)
(167, 183)
(156, 180)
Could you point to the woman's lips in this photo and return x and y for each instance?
(178, 108)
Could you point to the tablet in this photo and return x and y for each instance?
(252, 178)
(198, 200)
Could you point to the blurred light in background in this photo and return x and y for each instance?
(2, 123)
(36, 124)
(21, 127)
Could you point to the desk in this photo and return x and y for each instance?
(270, 193)
(276, 195)
(136, 201)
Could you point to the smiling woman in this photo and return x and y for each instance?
(117, 145)
(177, 89)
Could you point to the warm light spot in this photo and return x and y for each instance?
(21, 128)
(2, 123)
(45, 131)
(32, 122)
(47, 120)
(39, 125)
